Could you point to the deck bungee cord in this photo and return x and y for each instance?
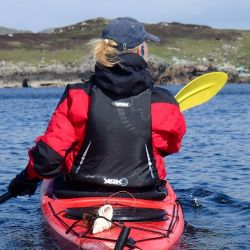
(87, 221)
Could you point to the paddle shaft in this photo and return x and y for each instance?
(5, 197)
(122, 238)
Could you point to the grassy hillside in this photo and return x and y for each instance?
(69, 45)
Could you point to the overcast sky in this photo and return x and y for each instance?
(37, 15)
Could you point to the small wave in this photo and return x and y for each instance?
(192, 230)
(221, 198)
(200, 197)
(196, 191)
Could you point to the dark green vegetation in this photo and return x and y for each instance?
(69, 45)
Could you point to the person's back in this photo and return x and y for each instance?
(113, 131)
(117, 149)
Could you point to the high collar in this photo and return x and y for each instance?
(128, 77)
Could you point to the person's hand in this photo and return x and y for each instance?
(21, 186)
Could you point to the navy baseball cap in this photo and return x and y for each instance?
(127, 32)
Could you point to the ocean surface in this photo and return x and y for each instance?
(211, 174)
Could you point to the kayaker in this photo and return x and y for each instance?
(112, 132)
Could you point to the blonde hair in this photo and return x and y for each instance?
(105, 52)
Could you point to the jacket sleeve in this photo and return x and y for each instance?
(168, 123)
(47, 156)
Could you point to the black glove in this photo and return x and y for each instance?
(20, 185)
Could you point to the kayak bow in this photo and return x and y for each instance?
(70, 230)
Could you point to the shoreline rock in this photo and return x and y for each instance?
(57, 75)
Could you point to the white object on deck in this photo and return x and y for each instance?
(101, 224)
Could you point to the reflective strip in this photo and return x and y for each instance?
(149, 162)
(83, 157)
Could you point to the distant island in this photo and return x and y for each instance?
(55, 57)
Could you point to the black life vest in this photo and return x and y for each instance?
(117, 149)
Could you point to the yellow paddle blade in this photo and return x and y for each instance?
(201, 90)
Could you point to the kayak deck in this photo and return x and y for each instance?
(75, 233)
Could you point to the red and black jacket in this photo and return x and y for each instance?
(83, 112)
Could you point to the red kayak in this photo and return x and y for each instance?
(136, 223)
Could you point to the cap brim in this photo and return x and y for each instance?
(152, 38)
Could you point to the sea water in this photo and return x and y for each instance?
(210, 174)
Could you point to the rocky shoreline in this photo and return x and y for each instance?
(56, 75)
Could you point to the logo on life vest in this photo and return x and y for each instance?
(122, 182)
(119, 104)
